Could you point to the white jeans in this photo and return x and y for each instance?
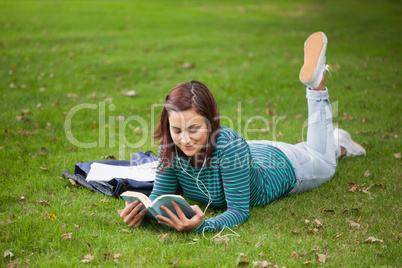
(314, 160)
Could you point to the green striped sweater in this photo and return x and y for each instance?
(238, 177)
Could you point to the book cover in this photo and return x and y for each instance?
(154, 207)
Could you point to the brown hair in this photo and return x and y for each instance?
(182, 97)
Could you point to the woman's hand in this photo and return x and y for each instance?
(181, 223)
(130, 214)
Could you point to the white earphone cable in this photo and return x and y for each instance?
(208, 195)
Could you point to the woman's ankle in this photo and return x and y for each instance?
(321, 86)
(343, 151)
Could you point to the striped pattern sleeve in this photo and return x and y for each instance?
(165, 183)
(234, 170)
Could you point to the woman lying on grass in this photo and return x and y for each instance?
(214, 165)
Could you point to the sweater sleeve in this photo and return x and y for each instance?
(234, 168)
(165, 183)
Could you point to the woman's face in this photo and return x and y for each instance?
(188, 130)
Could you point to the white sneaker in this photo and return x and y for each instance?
(343, 138)
(314, 65)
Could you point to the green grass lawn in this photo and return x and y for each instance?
(55, 55)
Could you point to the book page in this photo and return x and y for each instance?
(103, 172)
(131, 196)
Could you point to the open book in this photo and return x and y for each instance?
(154, 206)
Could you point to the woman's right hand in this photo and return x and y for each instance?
(130, 214)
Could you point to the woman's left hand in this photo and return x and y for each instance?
(181, 223)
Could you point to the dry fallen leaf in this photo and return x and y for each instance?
(258, 244)
(23, 118)
(45, 169)
(42, 202)
(373, 240)
(39, 106)
(397, 156)
(24, 133)
(339, 235)
(138, 130)
(8, 221)
(71, 95)
(188, 65)
(295, 255)
(88, 258)
(8, 253)
(261, 264)
(367, 173)
(221, 239)
(353, 189)
(163, 237)
(307, 262)
(73, 182)
(130, 93)
(329, 210)
(68, 236)
(116, 257)
(279, 135)
(366, 189)
(354, 224)
(321, 257)
(89, 246)
(319, 224)
(306, 221)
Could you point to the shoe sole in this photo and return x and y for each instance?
(314, 50)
